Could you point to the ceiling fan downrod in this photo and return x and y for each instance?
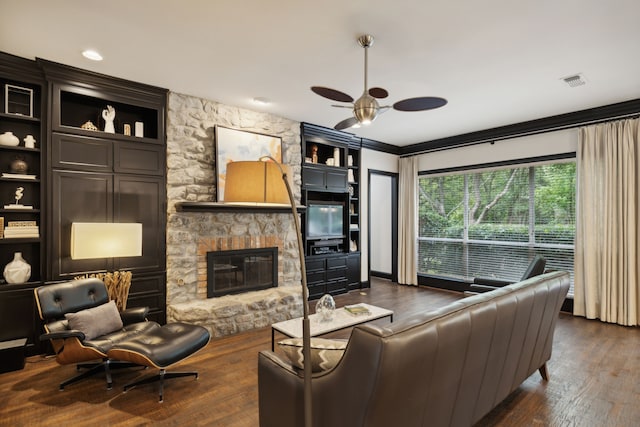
(365, 108)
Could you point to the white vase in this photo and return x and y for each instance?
(17, 271)
(8, 138)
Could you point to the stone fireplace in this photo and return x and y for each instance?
(191, 235)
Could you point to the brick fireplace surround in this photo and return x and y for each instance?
(191, 177)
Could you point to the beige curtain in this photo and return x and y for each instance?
(407, 221)
(608, 215)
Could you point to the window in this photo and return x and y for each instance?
(490, 223)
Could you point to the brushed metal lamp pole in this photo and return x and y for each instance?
(253, 182)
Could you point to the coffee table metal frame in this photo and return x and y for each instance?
(342, 319)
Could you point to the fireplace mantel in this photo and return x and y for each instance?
(232, 207)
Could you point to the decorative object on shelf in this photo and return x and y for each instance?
(19, 193)
(18, 100)
(234, 145)
(139, 129)
(9, 139)
(351, 191)
(353, 247)
(349, 160)
(19, 165)
(88, 125)
(336, 156)
(325, 308)
(17, 271)
(259, 180)
(108, 240)
(22, 230)
(350, 176)
(109, 114)
(1, 227)
(127, 129)
(17, 176)
(29, 141)
(314, 153)
(330, 161)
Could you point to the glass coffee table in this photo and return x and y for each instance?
(341, 319)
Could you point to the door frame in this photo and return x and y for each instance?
(394, 224)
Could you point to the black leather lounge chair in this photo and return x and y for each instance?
(479, 285)
(67, 309)
(83, 326)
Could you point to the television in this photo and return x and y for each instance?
(325, 220)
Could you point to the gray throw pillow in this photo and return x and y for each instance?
(96, 321)
(325, 353)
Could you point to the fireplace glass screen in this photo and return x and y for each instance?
(242, 270)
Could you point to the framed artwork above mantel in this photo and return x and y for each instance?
(234, 145)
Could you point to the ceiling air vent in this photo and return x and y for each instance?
(575, 80)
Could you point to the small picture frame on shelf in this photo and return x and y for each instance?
(18, 100)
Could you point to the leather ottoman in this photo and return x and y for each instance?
(161, 348)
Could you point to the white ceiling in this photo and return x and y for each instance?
(497, 62)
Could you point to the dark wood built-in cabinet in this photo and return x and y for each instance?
(17, 306)
(330, 176)
(108, 177)
(80, 175)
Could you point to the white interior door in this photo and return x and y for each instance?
(381, 224)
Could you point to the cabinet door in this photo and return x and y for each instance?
(81, 153)
(142, 199)
(336, 180)
(149, 291)
(313, 179)
(353, 271)
(77, 197)
(137, 158)
(18, 316)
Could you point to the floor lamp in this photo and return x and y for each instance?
(90, 240)
(260, 182)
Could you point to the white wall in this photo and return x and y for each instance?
(375, 160)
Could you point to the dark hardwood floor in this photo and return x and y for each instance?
(594, 380)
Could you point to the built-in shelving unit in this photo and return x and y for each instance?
(99, 174)
(331, 222)
(23, 113)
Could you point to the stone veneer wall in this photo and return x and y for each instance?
(191, 177)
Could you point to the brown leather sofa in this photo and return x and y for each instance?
(448, 367)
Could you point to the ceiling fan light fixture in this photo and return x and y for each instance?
(366, 109)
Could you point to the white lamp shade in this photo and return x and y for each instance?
(105, 240)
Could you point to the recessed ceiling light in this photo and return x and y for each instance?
(92, 55)
(261, 101)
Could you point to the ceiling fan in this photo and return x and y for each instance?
(366, 108)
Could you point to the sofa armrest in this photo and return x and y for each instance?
(280, 392)
(134, 315)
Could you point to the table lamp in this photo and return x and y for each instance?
(266, 182)
(90, 240)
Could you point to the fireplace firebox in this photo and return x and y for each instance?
(241, 270)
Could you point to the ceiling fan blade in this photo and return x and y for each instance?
(346, 123)
(420, 104)
(378, 92)
(332, 94)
